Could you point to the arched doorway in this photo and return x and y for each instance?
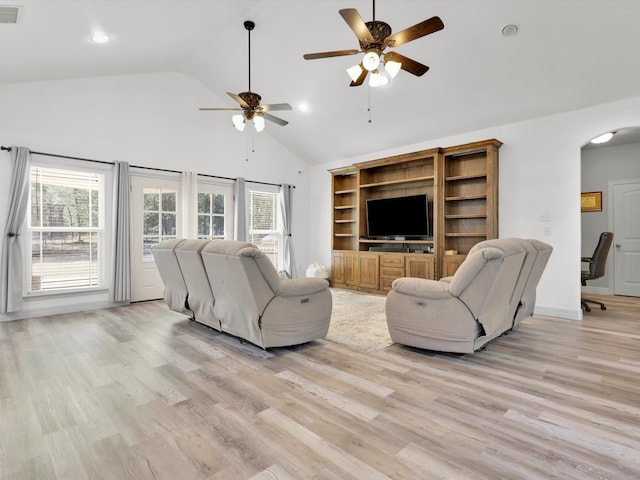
(612, 169)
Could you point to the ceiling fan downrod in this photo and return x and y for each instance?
(249, 25)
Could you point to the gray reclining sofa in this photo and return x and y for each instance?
(233, 287)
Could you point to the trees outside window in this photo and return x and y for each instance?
(66, 229)
(159, 218)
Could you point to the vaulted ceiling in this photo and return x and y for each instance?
(567, 55)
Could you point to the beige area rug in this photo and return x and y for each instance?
(358, 321)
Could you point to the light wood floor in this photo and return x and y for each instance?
(141, 393)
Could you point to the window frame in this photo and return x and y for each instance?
(273, 190)
(222, 189)
(105, 214)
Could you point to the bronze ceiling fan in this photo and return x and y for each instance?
(374, 37)
(249, 101)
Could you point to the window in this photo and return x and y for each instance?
(215, 211)
(159, 217)
(66, 229)
(211, 211)
(263, 223)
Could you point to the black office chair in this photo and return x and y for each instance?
(597, 263)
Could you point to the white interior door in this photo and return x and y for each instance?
(155, 216)
(626, 238)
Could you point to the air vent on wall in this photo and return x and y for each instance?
(9, 14)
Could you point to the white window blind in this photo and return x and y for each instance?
(263, 223)
(66, 229)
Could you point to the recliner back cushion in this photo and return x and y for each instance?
(200, 296)
(544, 251)
(265, 267)
(241, 290)
(175, 288)
(511, 246)
(470, 268)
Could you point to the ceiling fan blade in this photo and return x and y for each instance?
(336, 53)
(274, 107)
(356, 23)
(238, 99)
(419, 30)
(408, 65)
(236, 109)
(274, 119)
(361, 78)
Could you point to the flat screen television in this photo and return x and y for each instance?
(398, 217)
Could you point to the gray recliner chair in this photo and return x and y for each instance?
(175, 288)
(254, 303)
(463, 314)
(528, 298)
(200, 298)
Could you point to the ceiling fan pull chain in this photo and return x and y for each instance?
(369, 103)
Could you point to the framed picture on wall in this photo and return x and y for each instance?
(591, 202)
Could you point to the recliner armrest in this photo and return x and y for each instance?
(586, 259)
(303, 286)
(420, 287)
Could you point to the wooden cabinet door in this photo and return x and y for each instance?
(420, 266)
(351, 268)
(450, 264)
(337, 269)
(369, 270)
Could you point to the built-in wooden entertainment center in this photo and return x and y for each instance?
(461, 183)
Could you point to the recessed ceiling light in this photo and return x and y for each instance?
(509, 30)
(100, 38)
(605, 137)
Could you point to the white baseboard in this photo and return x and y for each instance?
(57, 310)
(558, 312)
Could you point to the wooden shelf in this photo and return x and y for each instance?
(465, 216)
(344, 207)
(402, 181)
(397, 242)
(465, 234)
(465, 197)
(344, 235)
(345, 192)
(345, 221)
(458, 178)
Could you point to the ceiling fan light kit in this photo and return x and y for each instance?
(252, 111)
(374, 37)
(392, 68)
(371, 60)
(376, 79)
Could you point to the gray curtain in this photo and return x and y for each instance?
(189, 209)
(122, 233)
(11, 275)
(285, 195)
(240, 211)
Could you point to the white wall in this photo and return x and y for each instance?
(146, 120)
(540, 164)
(153, 120)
